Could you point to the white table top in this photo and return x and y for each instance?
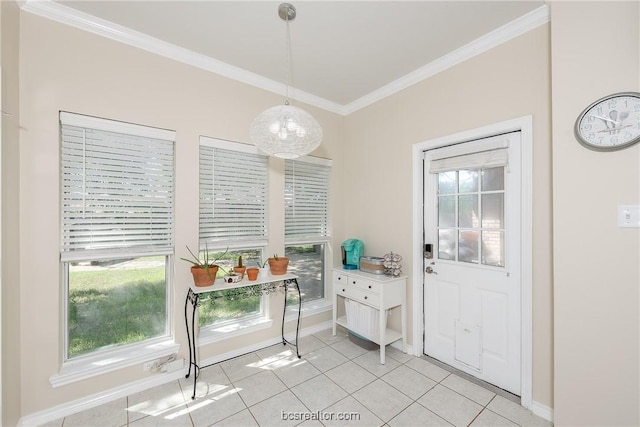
(219, 285)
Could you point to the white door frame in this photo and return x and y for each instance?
(525, 126)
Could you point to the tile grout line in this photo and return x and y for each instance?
(348, 358)
(395, 388)
(482, 410)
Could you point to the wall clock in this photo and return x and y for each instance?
(610, 123)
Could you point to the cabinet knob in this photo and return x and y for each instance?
(343, 290)
(339, 278)
(366, 297)
(354, 282)
(369, 286)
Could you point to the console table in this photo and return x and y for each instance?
(378, 292)
(242, 289)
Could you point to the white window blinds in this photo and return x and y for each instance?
(307, 200)
(233, 194)
(487, 153)
(117, 195)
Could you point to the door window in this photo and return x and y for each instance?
(471, 216)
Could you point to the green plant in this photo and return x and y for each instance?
(275, 256)
(240, 265)
(262, 264)
(207, 262)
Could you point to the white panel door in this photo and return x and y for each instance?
(472, 282)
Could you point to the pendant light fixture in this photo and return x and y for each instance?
(286, 131)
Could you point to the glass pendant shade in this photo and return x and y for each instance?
(285, 131)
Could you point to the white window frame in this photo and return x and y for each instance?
(109, 360)
(323, 238)
(253, 322)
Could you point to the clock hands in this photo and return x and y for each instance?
(605, 119)
(616, 124)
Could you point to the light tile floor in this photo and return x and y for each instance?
(334, 379)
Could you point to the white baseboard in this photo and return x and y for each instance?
(542, 411)
(398, 345)
(88, 402)
(91, 401)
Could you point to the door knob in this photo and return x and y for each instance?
(429, 270)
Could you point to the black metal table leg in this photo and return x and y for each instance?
(191, 338)
(284, 340)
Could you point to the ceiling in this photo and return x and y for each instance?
(345, 54)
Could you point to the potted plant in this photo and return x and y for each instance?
(240, 268)
(278, 265)
(263, 269)
(204, 271)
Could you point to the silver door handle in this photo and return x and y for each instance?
(430, 270)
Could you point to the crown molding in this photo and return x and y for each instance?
(515, 28)
(75, 18)
(83, 21)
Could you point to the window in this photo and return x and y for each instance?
(117, 203)
(471, 196)
(224, 306)
(307, 223)
(471, 216)
(233, 218)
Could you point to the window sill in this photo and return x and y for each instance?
(308, 309)
(214, 333)
(112, 360)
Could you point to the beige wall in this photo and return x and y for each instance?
(594, 306)
(509, 81)
(9, 33)
(84, 73)
(62, 68)
(595, 52)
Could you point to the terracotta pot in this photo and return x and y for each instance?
(240, 271)
(252, 273)
(278, 266)
(203, 276)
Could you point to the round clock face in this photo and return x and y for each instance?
(610, 123)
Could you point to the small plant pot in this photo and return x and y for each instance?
(264, 272)
(240, 271)
(278, 266)
(252, 273)
(203, 276)
(232, 278)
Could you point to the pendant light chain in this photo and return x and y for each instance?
(289, 74)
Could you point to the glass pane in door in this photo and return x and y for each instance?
(493, 248)
(468, 211)
(493, 179)
(468, 181)
(447, 244)
(446, 211)
(493, 210)
(447, 182)
(468, 246)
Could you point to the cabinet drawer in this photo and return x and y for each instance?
(365, 285)
(340, 279)
(359, 295)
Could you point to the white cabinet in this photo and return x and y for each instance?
(375, 292)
